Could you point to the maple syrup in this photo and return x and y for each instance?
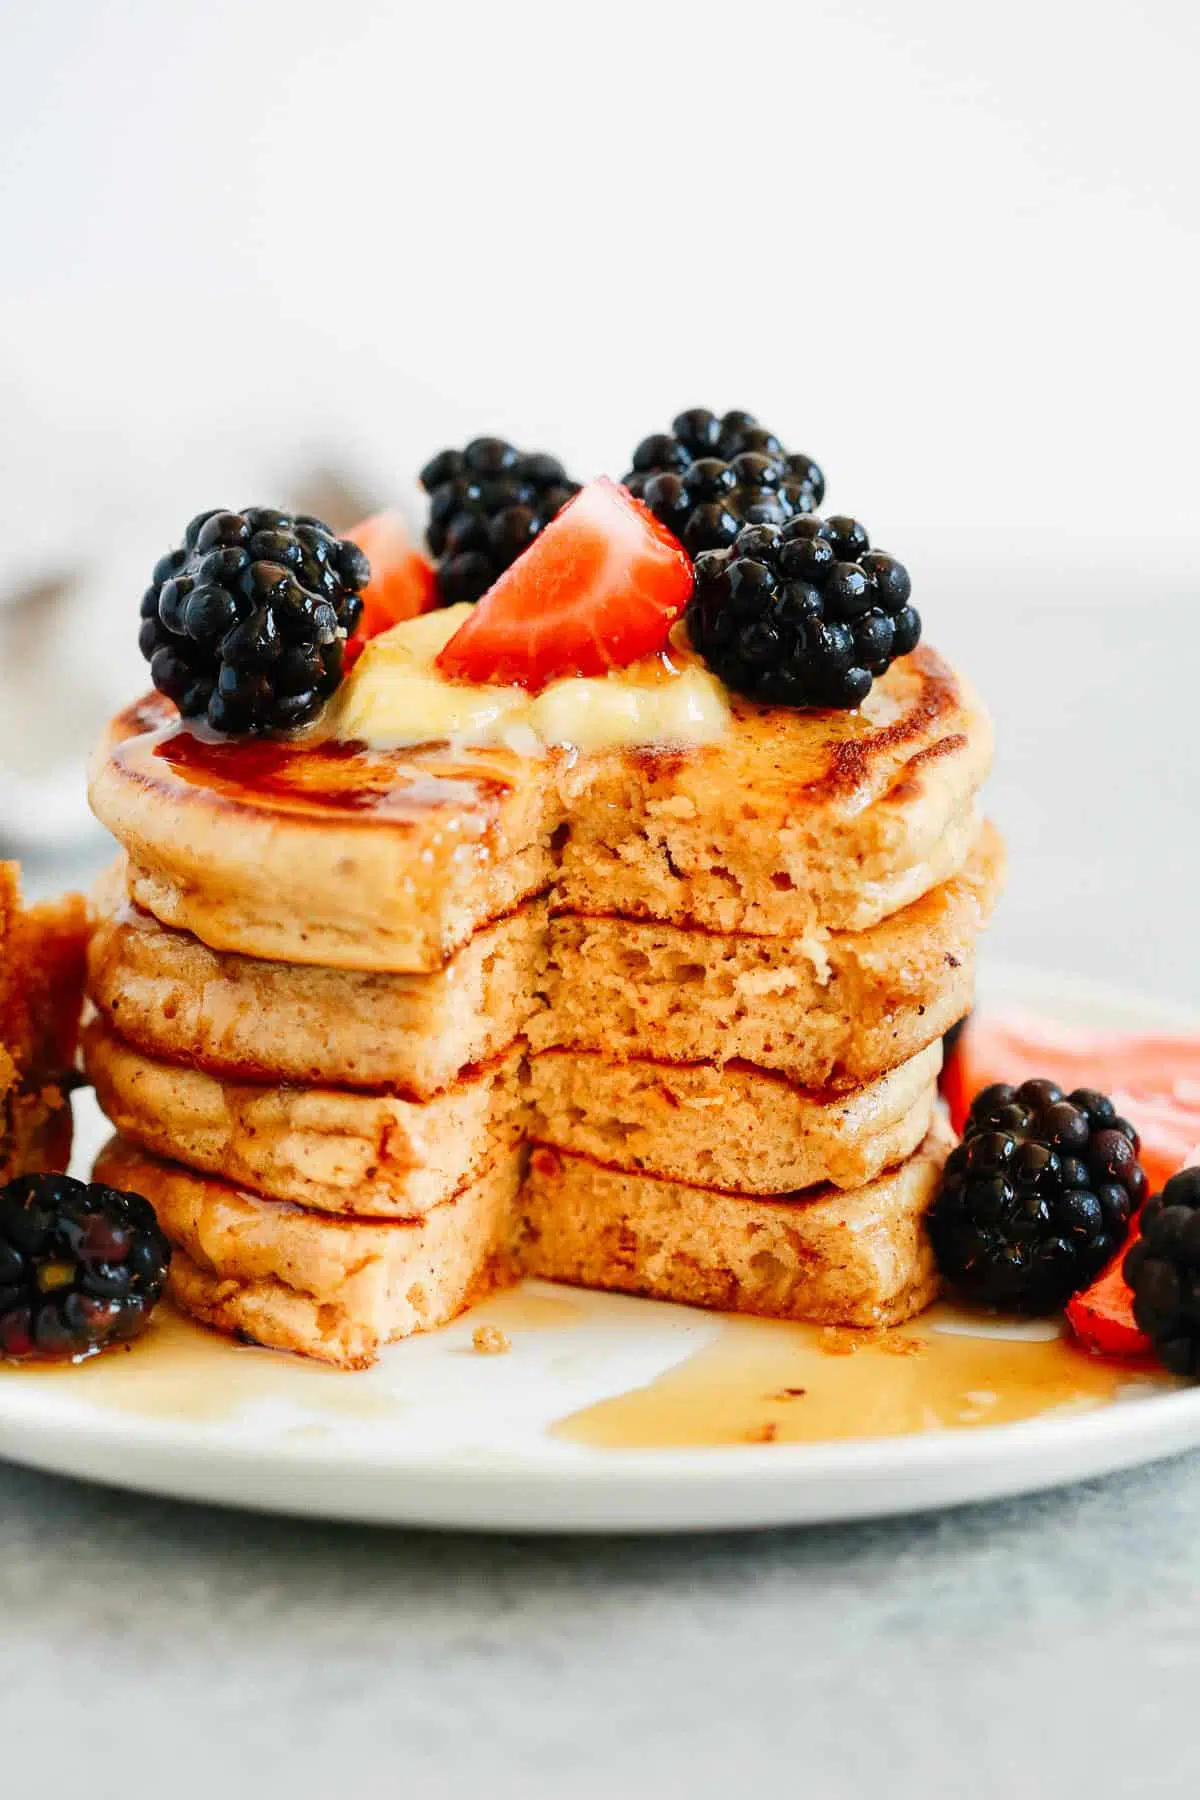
(762, 1381)
(758, 1381)
(180, 1369)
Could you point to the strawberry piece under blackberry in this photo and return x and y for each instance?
(952, 1038)
(1163, 1270)
(81, 1266)
(1038, 1196)
(487, 503)
(707, 477)
(247, 621)
(803, 614)
(600, 589)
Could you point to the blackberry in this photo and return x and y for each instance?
(1038, 1196)
(803, 614)
(1163, 1270)
(81, 1266)
(707, 477)
(487, 503)
(247, 621)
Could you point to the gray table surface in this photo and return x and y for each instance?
(1041, 1647)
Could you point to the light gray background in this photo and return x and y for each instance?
(953, 253)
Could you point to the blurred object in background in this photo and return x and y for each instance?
(86, 521)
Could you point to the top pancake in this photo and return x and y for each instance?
(325, 853)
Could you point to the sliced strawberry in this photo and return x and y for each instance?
(1102, 1315)
(1153, 1080)
(600, 587)
(402, 581)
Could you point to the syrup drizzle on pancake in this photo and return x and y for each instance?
(325, 772)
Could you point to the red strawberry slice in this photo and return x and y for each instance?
(402, 581)
(1102, 1315)
(600, 587)
(1153, 1080)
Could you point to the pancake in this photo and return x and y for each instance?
(321, 852)
(243, 1017)
(732, 1127)
(335, 1289)
(372, 1155)
(339, 1289)
(858, 1258)
(826, 1011)
(41, 994)
(324, 853)
(793, 821)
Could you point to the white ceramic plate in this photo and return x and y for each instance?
(438, 1435)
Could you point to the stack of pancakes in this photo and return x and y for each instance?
(380, 1030)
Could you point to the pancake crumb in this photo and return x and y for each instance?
(489, 1340)
(789, 1393)
(763, 1434)
(844, 1340)
(899, 1345)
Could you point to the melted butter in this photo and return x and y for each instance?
(760, 1381)
(395, 698)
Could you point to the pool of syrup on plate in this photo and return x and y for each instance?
(761, 1381)
(755, 1381)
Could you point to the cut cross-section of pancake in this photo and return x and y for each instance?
(850, 1258)
(791, 821)
(331, 1149)
(733, 1127)
(840, 1007)
(333, 1288)
(170, 995)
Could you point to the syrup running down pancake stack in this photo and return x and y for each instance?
(379, 1030)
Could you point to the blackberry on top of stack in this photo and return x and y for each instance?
(487, 503)
(709, 476)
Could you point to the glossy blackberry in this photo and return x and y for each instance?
(1037, 1198)
(1163, 1269)
(247, 621)
(81, 1266)
(487, 503)
(802, 614)
(707, 477)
